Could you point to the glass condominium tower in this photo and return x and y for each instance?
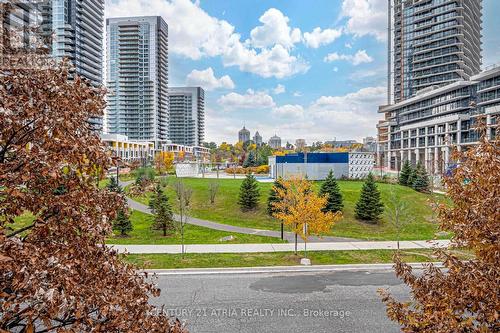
(77, 27)
(187, 115)
(432, 43)
(137, 77)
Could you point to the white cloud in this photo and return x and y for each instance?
(377, 73)
(359, 58)
(276, 61)
(207, 80)
(274, 30)
(250, 100)
(195, 34)
(366, 17)
(289, 110)
(356, 101)
(279, 89)
(297, 94)
(318, 37)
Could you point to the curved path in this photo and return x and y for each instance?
(289, 236)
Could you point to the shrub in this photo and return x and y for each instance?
(262, 169)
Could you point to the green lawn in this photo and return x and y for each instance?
(226, 210)
(191, 260)
(143, 234)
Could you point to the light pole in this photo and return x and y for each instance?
(117, 172)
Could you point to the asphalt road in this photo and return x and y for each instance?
(334, 301)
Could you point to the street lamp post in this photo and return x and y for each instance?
(117, 172)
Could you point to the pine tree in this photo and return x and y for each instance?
(331, 189)
(163, 216)
(250, 160)
(273, 196)
(413, 175)
(122, 223)
(157, 197)
(421, 182)
(249, 193)
(113, 186)
(369, 207)
(405, 174)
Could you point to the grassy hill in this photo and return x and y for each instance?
(226, 210)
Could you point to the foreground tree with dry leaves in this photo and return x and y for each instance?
(466, 296)
(55, 273)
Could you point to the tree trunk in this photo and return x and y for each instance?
(296, 240)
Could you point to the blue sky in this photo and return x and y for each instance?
(297, 68)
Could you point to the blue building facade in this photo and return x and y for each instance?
(316, 166)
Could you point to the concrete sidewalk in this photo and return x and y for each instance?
(283, 247)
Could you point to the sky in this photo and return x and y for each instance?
(315, 70)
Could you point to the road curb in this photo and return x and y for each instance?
(281, 269)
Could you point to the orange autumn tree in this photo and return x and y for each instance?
(56, 274)
(466, 296)
(297, 206)
(164, 161)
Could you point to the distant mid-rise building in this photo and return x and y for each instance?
(370, 144)
(341, 143)
(257, 139)
(187, 115)
(275, 142)
(243, 135)
(432, 43)
(137, 77)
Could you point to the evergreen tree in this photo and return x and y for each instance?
(122, 223)
(369, 207)
(113, 185)
(250, 160)
(163, 216)
(249, 193)
(331, 189)
(157, 197)
(404, 175)
(421, 182)
(273, 196)
(413, 175)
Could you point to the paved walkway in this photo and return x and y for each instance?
(289, 236)
(282, 247)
